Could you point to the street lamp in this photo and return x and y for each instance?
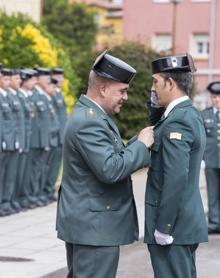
(174, 2)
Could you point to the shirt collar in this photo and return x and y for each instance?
(25, 93)
(173, 104)
(215, 110)
(3, 92)
(42, 92)
(13, 91)
(95, 103)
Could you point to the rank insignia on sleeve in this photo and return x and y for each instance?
(175, 135)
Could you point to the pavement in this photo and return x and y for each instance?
(29, 247)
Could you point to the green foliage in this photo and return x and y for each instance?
(75, 27)
(14, 52)
(133, 116)
(24, 43)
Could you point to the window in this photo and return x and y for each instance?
(201, 0)
(162, 42)
(118, 1)
(161, 1)
(166, 1)
(200, 46)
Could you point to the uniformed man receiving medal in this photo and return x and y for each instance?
(96, 208)
(174, 215)
(211, 118)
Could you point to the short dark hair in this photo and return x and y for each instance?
(184, 80)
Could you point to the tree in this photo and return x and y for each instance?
(134, 116)
(75, 27)
(24, 43)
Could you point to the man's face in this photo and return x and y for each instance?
(59, 78)
(5, 81)
(160, 87)
(43, 80)
(15, 81)
(29, 84)
(51, 89)
(115, 93)
(215, 99)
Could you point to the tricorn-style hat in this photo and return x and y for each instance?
(112, 68)
(42, 71)
(26, 74)
(57, 71)
(214, 87)
(6, 72)
(15, 72)
(182, 63)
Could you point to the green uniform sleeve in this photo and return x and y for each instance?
(176, 147)
(109, 161)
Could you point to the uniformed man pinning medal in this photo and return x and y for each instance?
(174, 215)
(211, 118)
(96, 209)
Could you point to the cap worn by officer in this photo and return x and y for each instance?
(214, 88)
(110, 67)
(15, 72)
(6, 72)
(42, 71)
(57, 71)
(26, 74)
(182, 63)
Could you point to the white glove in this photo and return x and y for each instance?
(16, 145)
(163, 239)
(3, 145)
(203, 164)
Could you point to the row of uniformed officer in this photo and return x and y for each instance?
(32, 120)
(211, 118)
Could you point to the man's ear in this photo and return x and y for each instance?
(171, 83)
(102, 89)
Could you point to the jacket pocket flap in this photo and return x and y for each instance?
(154, 203)
(104, 204)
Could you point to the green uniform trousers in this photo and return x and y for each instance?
(173, 261)
(85, 261)
(213, 191)
(9, 168)
(53, 168)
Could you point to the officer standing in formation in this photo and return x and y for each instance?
(30, 127)
(96, 209)
(211, 118)
(174, 215)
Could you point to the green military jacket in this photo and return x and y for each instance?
(172, 202)
(96, 203)
(18, 115)
(29, 114)
(40, 137)
(212, 128)
(60, 107)
(9, 129)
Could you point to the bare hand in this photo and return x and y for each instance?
(146, 136)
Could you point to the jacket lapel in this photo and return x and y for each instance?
(178, 106)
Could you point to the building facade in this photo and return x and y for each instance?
(109, 18)
(179, 26)
(31, 8)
